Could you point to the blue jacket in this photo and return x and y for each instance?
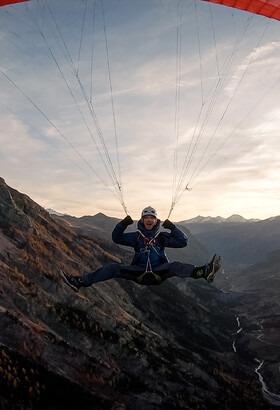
(138, 240)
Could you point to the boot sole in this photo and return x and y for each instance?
(217, 263)
(63, 275)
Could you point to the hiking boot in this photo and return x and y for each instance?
(75, 282)
(212, 267)
(208, 271)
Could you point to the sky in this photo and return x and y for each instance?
(111, 106)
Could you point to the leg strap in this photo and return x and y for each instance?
(149, 271)
(141, 277)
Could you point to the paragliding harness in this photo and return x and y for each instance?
(149, 243)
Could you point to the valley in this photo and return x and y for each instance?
(121, 345)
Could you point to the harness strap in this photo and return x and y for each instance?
(149, 243)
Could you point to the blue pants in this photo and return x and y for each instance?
(132, 272)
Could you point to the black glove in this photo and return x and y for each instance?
(168, 225)
(127, 221)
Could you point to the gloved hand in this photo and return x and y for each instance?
(127, 221)
(168, 225)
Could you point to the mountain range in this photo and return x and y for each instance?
(185, 344)
(240, 241)
(218, 220)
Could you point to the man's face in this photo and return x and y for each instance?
(149, 221)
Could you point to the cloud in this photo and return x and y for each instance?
(253, 70)
(15, 139)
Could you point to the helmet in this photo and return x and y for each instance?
(149, 211)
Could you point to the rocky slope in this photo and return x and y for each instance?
(115, 345)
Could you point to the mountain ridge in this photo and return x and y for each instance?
(234, 218)
(101, 225)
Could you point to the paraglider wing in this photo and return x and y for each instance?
(6, 2)
(268, 8)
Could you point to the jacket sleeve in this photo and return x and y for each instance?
(175, 239)
(121, 238)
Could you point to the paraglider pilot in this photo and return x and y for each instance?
(150, 265)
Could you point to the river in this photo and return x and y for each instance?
(270, 397)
